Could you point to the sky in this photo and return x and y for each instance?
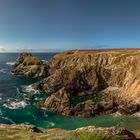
(55, 25)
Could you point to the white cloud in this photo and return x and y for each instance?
(2, 49)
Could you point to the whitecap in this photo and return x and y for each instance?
(18, 91)
(117, 114)
(45, 61)
(4, 71)
(28, 89)
(10, 63)
(51, 124)
(15, 104)
(8, 119)
(36, 99)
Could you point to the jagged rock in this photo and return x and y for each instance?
(34, 129)
(58, 102)
(129, 109)
(30, 66)
(112, 131)
(85, 109)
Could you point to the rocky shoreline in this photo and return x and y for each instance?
(86, 83)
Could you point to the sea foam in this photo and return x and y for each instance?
(10, 63)
(15, 104)
(4, 71)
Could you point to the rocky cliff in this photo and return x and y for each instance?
(87, 83)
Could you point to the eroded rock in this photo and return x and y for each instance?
(112, 76)
(59, 102)
(30, 66)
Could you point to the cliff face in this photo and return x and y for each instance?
(29, 66)
(87, 83)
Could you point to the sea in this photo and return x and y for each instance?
(16, 108)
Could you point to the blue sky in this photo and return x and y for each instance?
(41, 25)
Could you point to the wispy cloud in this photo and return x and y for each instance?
(24, 50)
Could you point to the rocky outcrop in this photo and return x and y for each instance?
(30, 66)
(102, 81)
(112, 131)
(59, 102)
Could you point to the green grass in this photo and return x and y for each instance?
(22, 134)
(80, 99)
(89, 136)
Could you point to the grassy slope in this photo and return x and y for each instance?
(51, 134)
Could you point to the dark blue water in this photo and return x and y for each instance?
(16, 108)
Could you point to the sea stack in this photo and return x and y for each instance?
(30, 66)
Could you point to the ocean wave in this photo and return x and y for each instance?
(5, 71)
(1, 113)
(15, 104)
(10, 63)
(7, 119)
(117, 114)
(29, 89)
(51, 124)
(45, 61)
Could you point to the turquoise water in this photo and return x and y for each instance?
(15, 108)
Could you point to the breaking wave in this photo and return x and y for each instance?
(10, 63)
(5, 71)
(117, 114)
(15, 104)
(8, 120)
(51, 124)
(29, 89)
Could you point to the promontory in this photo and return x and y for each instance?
(86, 83)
